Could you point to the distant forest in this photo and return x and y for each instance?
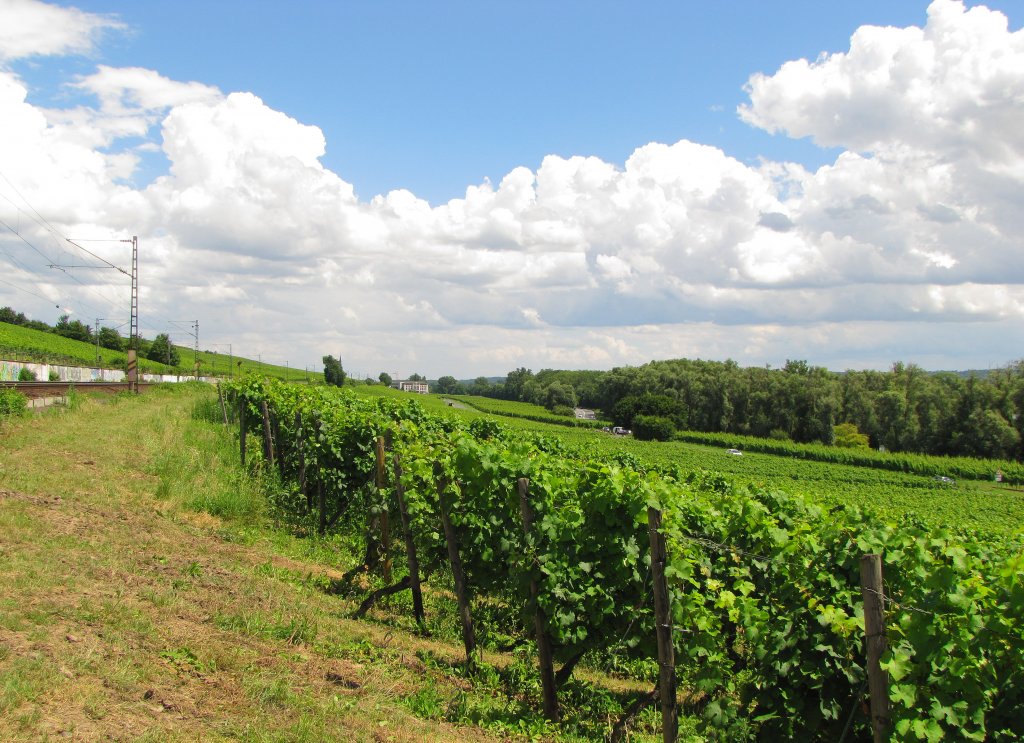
(905, 409)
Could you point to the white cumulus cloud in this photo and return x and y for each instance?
(680, 250)
(29, 28)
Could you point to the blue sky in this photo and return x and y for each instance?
(434, 96)
(407, 177)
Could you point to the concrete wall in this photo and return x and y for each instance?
(9, 371)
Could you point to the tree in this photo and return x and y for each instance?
(162, 350)
(653, 428)
(559, 394)
(110, 338)
(515, 381)
(447, 385)
(333, 372)
(480, 387)
(385, 379)
(987, 434)
(628, 408)
(74, 329)
(414, 377)
(846, 436)
(8, 315)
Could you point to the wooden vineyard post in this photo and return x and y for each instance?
(663, 625)
(223, 410)
(241, 429)
(874, 635)
(303, 489)
(385, 524)
(544, 654)
(321, 506)
(410, 546)
(275, 429)
(268, 442)
(468, 636)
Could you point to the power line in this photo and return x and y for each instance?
(56, 234)
(39, 219)
(22, 289)
(52, 264)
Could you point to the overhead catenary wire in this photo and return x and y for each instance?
(60, 241)
(52, 264)
(38, 218)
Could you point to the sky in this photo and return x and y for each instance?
(466, 188)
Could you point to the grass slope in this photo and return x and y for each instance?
(144, 595)
(18, 343)
(526, 410)
(25, 344)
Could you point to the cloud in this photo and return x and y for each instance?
(954, 84)
(34, 29)
(680, 250)
(126, 90)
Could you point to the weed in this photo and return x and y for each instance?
(294, 630)
(185, 658)
(24, 680)
(268, 689)
(426, 703)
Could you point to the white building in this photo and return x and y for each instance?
(407, 385)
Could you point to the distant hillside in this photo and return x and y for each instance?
(18, 343)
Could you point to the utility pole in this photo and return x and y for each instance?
(133, 328)
(133, 338)
(196, 355)
(98, 342)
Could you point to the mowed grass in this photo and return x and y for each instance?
(146, 594)
(125, 614)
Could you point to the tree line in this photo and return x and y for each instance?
(905, 409)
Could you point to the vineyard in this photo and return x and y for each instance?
(27, 344)
(829, 476)
(551, 543)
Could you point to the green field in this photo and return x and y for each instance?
(992, 506)
(25, 344)
(525, 410)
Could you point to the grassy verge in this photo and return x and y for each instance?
(145, 593)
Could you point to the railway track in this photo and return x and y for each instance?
(34, 390)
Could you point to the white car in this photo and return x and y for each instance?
(734, 452)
